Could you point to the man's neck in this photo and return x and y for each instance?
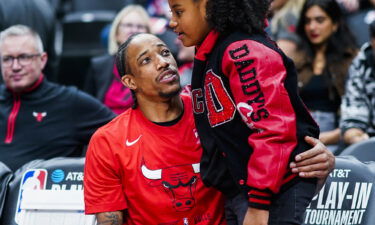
(163, 111)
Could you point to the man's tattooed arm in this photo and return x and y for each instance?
(109, 218)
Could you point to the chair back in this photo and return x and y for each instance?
(363, 151)
(81, 40)
(5, 176)
(83, 5)
(347, 197)
(43, 191)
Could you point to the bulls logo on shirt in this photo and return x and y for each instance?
(39, 115)
(179, 182)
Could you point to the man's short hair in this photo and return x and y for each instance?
(122, 64)
(22, 30)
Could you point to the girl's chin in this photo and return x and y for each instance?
(187, 42)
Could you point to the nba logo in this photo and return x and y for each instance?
(34, 179)
(186, 221)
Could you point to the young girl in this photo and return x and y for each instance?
(248, 114)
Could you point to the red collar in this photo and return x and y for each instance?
(207, 45)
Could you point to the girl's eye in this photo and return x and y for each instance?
(178, 12)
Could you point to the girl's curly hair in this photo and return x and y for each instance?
(248, 16)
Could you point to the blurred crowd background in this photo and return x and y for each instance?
(81, 38)
(331, 43)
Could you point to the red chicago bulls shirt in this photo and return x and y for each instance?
(151, 170)
(248, 114)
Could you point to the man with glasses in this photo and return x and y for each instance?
(38, 15)
(39, 119)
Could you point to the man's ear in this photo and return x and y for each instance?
(43, 58)
(129, 81)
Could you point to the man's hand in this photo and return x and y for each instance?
(256, 217)
(109, 218)
(317, 162)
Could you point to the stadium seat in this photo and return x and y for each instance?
(363, 151)
(55, 4)
(47, 191)
(82, 5)
(5, 176)
(58, 207)
(347, 197)
(81, 40)
(81, 32)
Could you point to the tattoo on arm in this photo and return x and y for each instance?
(109, 218)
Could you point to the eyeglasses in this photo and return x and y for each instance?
(132, 25)
(23, 59)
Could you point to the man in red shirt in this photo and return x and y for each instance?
(143, 166)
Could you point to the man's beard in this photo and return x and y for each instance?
(170, 94)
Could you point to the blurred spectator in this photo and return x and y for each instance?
(2, 26)
(39, 15)
(358, 105)
(358, 22)
(161, 14)
(103, 80)
(349, 6)
(158, 8)
(283, 23)
(39, 119)
(185, 57)
(322, 60)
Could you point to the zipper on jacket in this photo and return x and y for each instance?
(12, 119)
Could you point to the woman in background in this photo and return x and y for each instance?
(285, 16)
(322, 59)
(103, 80)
